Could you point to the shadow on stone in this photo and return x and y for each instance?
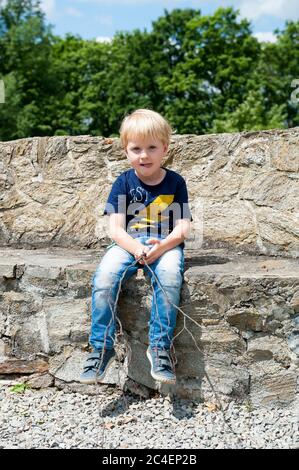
(179, 408)
(204, 260)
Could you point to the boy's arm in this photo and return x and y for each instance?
(121, 237)
(178, 234)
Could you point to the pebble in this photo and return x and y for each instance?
(67, 420)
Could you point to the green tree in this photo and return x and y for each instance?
(209, 62)
(278, 67)
(176, 85)
(251, 115)
(131, 76)
(80, 102)
(25, 48)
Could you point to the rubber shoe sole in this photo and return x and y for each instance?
(98, 378)
(158, 377)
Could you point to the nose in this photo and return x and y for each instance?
(143, 154)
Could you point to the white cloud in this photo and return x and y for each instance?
(49, 7)
(73, 12)
(103, 39)
(265, 36)
(283, 9)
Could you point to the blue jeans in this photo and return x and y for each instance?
(169, 269)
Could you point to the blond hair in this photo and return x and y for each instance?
(144, 123)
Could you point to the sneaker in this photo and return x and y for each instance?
(162, 367)
(96, 365)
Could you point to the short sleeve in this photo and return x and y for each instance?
(181, 198)
(116, 202)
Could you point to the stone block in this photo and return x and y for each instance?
(21, 366)
(266, 347)
(38, 381)
(284, 153)
(67, 322)
(272, 385)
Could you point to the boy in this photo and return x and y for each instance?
(149, 218)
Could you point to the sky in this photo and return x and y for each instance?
(100, 19)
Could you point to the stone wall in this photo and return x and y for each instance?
(244, 190)
(241, 283)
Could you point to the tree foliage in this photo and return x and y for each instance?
(204, 73)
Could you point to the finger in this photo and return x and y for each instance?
(152, 241)
(149, 259)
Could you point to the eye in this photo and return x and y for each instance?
(153, 147)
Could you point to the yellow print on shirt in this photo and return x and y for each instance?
(152, 214)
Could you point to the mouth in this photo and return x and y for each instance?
(146, 165)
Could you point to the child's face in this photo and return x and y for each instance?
(146, 156)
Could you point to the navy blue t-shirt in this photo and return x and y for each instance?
(150, 209)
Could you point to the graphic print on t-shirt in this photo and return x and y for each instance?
(151, 215)
(138, 194)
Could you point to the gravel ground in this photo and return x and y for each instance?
(52, 418)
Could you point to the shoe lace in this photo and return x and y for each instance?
(95, 364)
(163, 360)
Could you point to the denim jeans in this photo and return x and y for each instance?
(168, 269)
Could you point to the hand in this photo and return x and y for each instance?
(156, 251)
(140, 251)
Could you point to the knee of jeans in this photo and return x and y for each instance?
(170, 279)
(104, 279)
